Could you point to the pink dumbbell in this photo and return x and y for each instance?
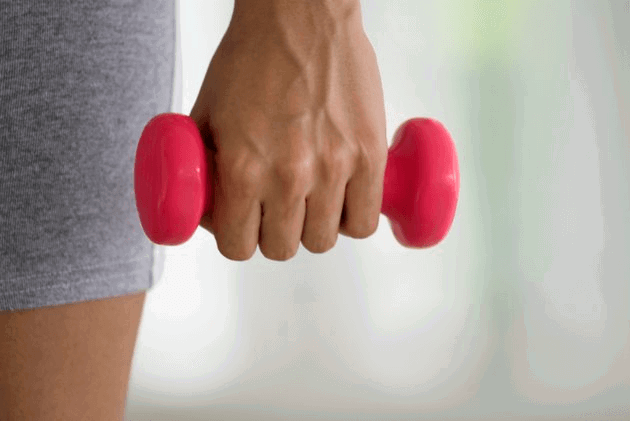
(173, 181)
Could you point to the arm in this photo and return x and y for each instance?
(68, 362)
(305, 21)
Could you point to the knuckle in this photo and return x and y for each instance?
(320, 244)
(294, 175)
(364, 159)
(335, 165)
(236, 253)
(371, 159)
(235, 246)
(248, 185)
(280, 254)
(361, 230)
(242, 175)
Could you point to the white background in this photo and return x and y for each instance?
(523, 310)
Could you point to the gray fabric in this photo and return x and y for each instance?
(78, 82)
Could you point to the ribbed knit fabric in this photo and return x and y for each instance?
(78, 82)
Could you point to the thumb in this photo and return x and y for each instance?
(201, 117)
(203, 125)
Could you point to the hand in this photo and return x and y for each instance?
(293, 118)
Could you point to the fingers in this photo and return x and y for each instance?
(237, 210)
(277, 209)
(283, 212)
(325, 204)
(281, 228)
(364, 194)
(323, 215)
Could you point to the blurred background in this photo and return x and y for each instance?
(522, 312)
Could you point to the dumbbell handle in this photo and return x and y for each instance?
(173, 181)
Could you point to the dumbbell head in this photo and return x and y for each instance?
(421, 187)
(170, 178)
(173, 183)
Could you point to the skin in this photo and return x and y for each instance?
(69, 362)
(292, 112)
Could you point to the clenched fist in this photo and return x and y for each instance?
(292, 114)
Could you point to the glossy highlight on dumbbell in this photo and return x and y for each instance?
(173, 180)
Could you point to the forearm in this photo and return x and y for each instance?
(335, 6)
(309, 15)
